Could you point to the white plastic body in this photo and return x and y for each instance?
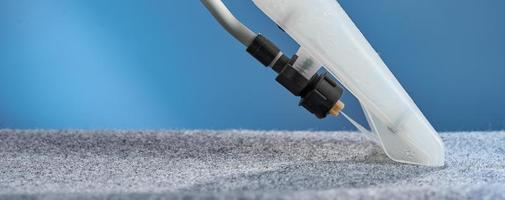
(325, 31)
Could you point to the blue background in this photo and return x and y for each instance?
(167, 64)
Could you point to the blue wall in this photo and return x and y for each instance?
(167, 64)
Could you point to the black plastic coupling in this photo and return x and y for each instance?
(318, 94)
(291, 78)
(262, 49)
(321, 95)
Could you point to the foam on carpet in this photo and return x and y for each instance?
(41, 164)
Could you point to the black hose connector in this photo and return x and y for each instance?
(321, 94)
(262, 49)
(318, 94)
(291, 78)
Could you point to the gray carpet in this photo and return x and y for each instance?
(41, 164)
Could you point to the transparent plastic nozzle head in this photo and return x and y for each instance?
(327, 34)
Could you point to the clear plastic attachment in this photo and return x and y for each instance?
(324, 30)
(306, 64)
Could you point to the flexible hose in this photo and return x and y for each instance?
(229, 22)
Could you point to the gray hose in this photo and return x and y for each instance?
(229, 22)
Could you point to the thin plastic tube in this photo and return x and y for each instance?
(230, 22)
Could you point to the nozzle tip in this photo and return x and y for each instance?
(335, 110)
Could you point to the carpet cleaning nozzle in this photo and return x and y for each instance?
(328, 37)
(300, 74)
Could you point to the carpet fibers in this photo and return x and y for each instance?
(43, 164)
